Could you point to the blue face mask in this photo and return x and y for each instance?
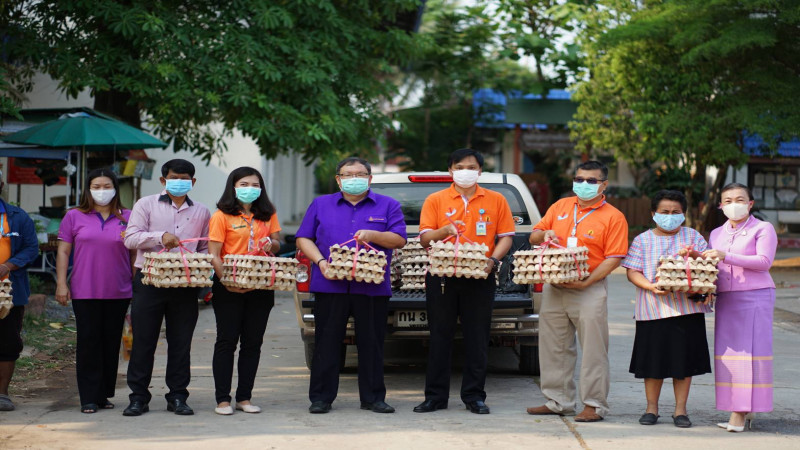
(178, 188)
(668, 222)
(248, 194)
(355, 186)
(585, 191)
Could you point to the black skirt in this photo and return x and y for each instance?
(675, 347)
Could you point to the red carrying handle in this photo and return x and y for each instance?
(355, 253)
(686, 264)
(259, 251)
(181, 247)
(550, 243)
(458, 236)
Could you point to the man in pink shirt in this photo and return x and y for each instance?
(157, 222)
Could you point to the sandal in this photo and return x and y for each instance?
(105, 404)
(89, 408)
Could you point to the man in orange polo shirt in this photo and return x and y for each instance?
(481, 216)
(585, 220)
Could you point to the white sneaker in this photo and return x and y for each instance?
(224, 410)
(252, 409)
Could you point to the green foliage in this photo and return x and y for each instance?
(680, 81)
(304, 76)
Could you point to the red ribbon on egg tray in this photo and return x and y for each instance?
(686, 264)
(181, 247)
(259, 251)
(459, 235)
(355, 253)
(550, 243)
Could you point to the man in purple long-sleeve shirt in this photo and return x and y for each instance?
(355, 213)
(157, 222)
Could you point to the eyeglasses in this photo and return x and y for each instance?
(347, 176)
(587, 180)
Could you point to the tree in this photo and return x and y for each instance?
(294, 75)
(680, 82)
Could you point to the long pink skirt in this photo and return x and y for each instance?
(743, 350)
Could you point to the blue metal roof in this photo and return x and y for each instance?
(490, 106)
(754, 145)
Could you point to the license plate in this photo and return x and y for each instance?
(411, 319)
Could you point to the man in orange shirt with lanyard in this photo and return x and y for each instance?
(585, 220)
(480, 215)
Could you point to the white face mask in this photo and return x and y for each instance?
(736, 211)
(102, 197)
(465, 178)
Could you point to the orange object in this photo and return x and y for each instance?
(5, 242)
(493, 204)
(234, 231)
(604, 231)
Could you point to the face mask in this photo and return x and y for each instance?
(355, 186)
(668, 222)
(585, 191)
(178, 188)
(248, 194)
(736, 211)
(102, 197)
(465, 178)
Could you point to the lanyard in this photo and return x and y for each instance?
(2, 228)
(575, 220)
(251, 243)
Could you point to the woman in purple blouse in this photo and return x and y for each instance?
(100, 287)
(745, 300)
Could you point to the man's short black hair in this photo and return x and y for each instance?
(462, 154)
(180, 166)
(353, 160)
(667, 194)
(594, 165)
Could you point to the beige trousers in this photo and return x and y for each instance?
(563, 312)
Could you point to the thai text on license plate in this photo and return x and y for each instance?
(411, 319)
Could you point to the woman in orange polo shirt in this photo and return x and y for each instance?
(244, 222)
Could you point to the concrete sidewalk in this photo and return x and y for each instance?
(52, 420)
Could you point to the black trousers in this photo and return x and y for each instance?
(99, 324)
(150, 306)
(242, 319)
(331, 312)
(472, 301)
(11, 334)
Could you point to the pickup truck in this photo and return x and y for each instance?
(515, 317)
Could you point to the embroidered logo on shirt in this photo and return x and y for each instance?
(238, 227)
(588, 236)
(376, 219)
(562, 217)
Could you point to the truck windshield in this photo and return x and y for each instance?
(413, 195)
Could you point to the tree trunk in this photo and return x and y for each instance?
(704, 221)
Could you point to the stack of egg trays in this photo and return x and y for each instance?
(166, 270)
(255, 272)
(413, 263)
(6, 301)
(470, 262)
(671, 274)
(370, 265)
(551, 265)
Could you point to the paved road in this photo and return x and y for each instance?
(51, 419)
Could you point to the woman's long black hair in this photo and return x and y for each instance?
(261, 208)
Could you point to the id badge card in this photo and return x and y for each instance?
(480, 228)
(572, 242)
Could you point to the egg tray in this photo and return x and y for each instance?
(671, 274)
(5, 289)
(413, 277)
(469, 262)
(6, 301)
(255, 272)
(370, 265)
(167, 270)
(551, 265)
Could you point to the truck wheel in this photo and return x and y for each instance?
(529, 360)
(309, 348)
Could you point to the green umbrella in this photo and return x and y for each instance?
(87, 132)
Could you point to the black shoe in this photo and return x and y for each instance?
(319, 407)
(378, 407)
(648, 419)
(179, 407)
(682, 421)
(477, 407)
(430, 406)
(136, 408)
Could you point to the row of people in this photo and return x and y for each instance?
(99, 233)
